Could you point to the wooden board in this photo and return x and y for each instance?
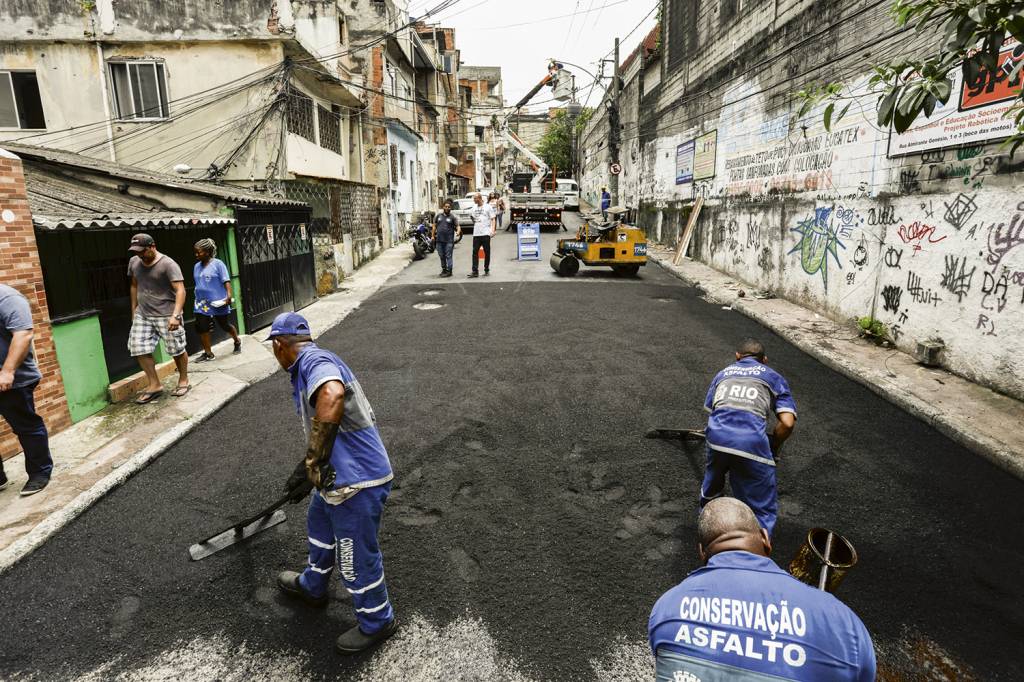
(687, 235)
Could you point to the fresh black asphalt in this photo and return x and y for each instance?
(525, 494)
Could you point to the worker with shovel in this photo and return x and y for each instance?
(740, 400)
(347, 469)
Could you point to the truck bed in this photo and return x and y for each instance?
(541, 208)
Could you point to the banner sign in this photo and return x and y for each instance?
(705, 156)
(684, 162)
(974, 112)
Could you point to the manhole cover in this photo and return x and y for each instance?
(427, 306)
(431, 292)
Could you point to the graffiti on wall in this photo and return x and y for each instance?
(818, 240)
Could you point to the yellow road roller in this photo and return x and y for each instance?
(614, 244)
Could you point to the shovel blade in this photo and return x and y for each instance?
(676, 434)
(209, 546)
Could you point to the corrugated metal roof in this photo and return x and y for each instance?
(225, 192)
(59, 201)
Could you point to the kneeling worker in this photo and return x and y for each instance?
(348, 466)
(738, 443)
(741, 617)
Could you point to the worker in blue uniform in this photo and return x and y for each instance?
(740, 400)
(347, 469)
(742, 618)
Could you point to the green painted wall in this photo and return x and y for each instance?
(80, 354)
(236, 280)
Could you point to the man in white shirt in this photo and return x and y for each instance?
(483, 229)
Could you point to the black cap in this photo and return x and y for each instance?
(141, 242)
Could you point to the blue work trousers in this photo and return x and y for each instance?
(18, 407)
(752, 483)
(444, 252)
(343, 538)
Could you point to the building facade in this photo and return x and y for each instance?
(914, 230)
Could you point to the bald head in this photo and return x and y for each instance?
(726, 524)
(750, 348)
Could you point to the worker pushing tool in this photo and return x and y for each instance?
(740, 399)
(348, 467)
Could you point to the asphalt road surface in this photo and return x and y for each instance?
(531, 526)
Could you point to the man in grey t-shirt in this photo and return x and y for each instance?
(19, 376)
(158, 297)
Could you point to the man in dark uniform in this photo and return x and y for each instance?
(446, 229)
(741, 617)
(348, 466)
(740, 400)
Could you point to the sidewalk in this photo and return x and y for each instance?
(978, 418)
(101, 452)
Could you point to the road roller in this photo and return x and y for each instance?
(612, 244)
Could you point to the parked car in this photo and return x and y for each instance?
(460, 209)
(570, 192)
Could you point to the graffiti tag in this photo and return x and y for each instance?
(917, 233)
(818, 240)
(955, 279)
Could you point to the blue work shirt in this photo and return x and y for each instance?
(210, 280)
(740, 399)
(742, 617)
(16, 316)
(606, 201)
(446, 226)
(358, 457)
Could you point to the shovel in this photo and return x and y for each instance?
(243, 530)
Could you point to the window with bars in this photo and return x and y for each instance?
(329, 121)
(20, 105)
(300, 115)
(140, 90)
(394, 163)
(401, 156)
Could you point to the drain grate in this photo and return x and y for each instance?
(427, 306)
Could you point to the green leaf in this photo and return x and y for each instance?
(1015, 25)
(887, 106)
(929, 104)
(828, 116)
(977, 13)
(943, 89)
(843, 112)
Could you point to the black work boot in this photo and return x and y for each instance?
(288, 582)
(355, 640)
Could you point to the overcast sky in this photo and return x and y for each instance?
(521, 35)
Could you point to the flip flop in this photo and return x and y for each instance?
(148, 397)
(181, 390)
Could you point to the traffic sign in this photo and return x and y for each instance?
(615, 168)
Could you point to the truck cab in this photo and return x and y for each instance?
(570, 192)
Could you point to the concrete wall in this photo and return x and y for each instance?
(927, 243)
(19, 268)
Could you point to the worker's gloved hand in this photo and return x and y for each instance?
(319, 471)
(776, 445)
(298, 484)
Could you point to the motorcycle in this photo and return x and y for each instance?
(422, 244)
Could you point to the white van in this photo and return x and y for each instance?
(570, 192)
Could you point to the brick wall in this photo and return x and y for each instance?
(19, 268)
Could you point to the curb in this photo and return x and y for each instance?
(990, 449)
(25, 545)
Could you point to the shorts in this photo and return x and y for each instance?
(148, 331)
(204, 323)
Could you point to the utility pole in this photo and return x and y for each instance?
(613, 130)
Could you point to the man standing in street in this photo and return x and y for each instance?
(348, 467)
(740, 400)
(19, 376)
(157, 298)
(606, 202)
(483, 229)
(741, 617)
(446, 229)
